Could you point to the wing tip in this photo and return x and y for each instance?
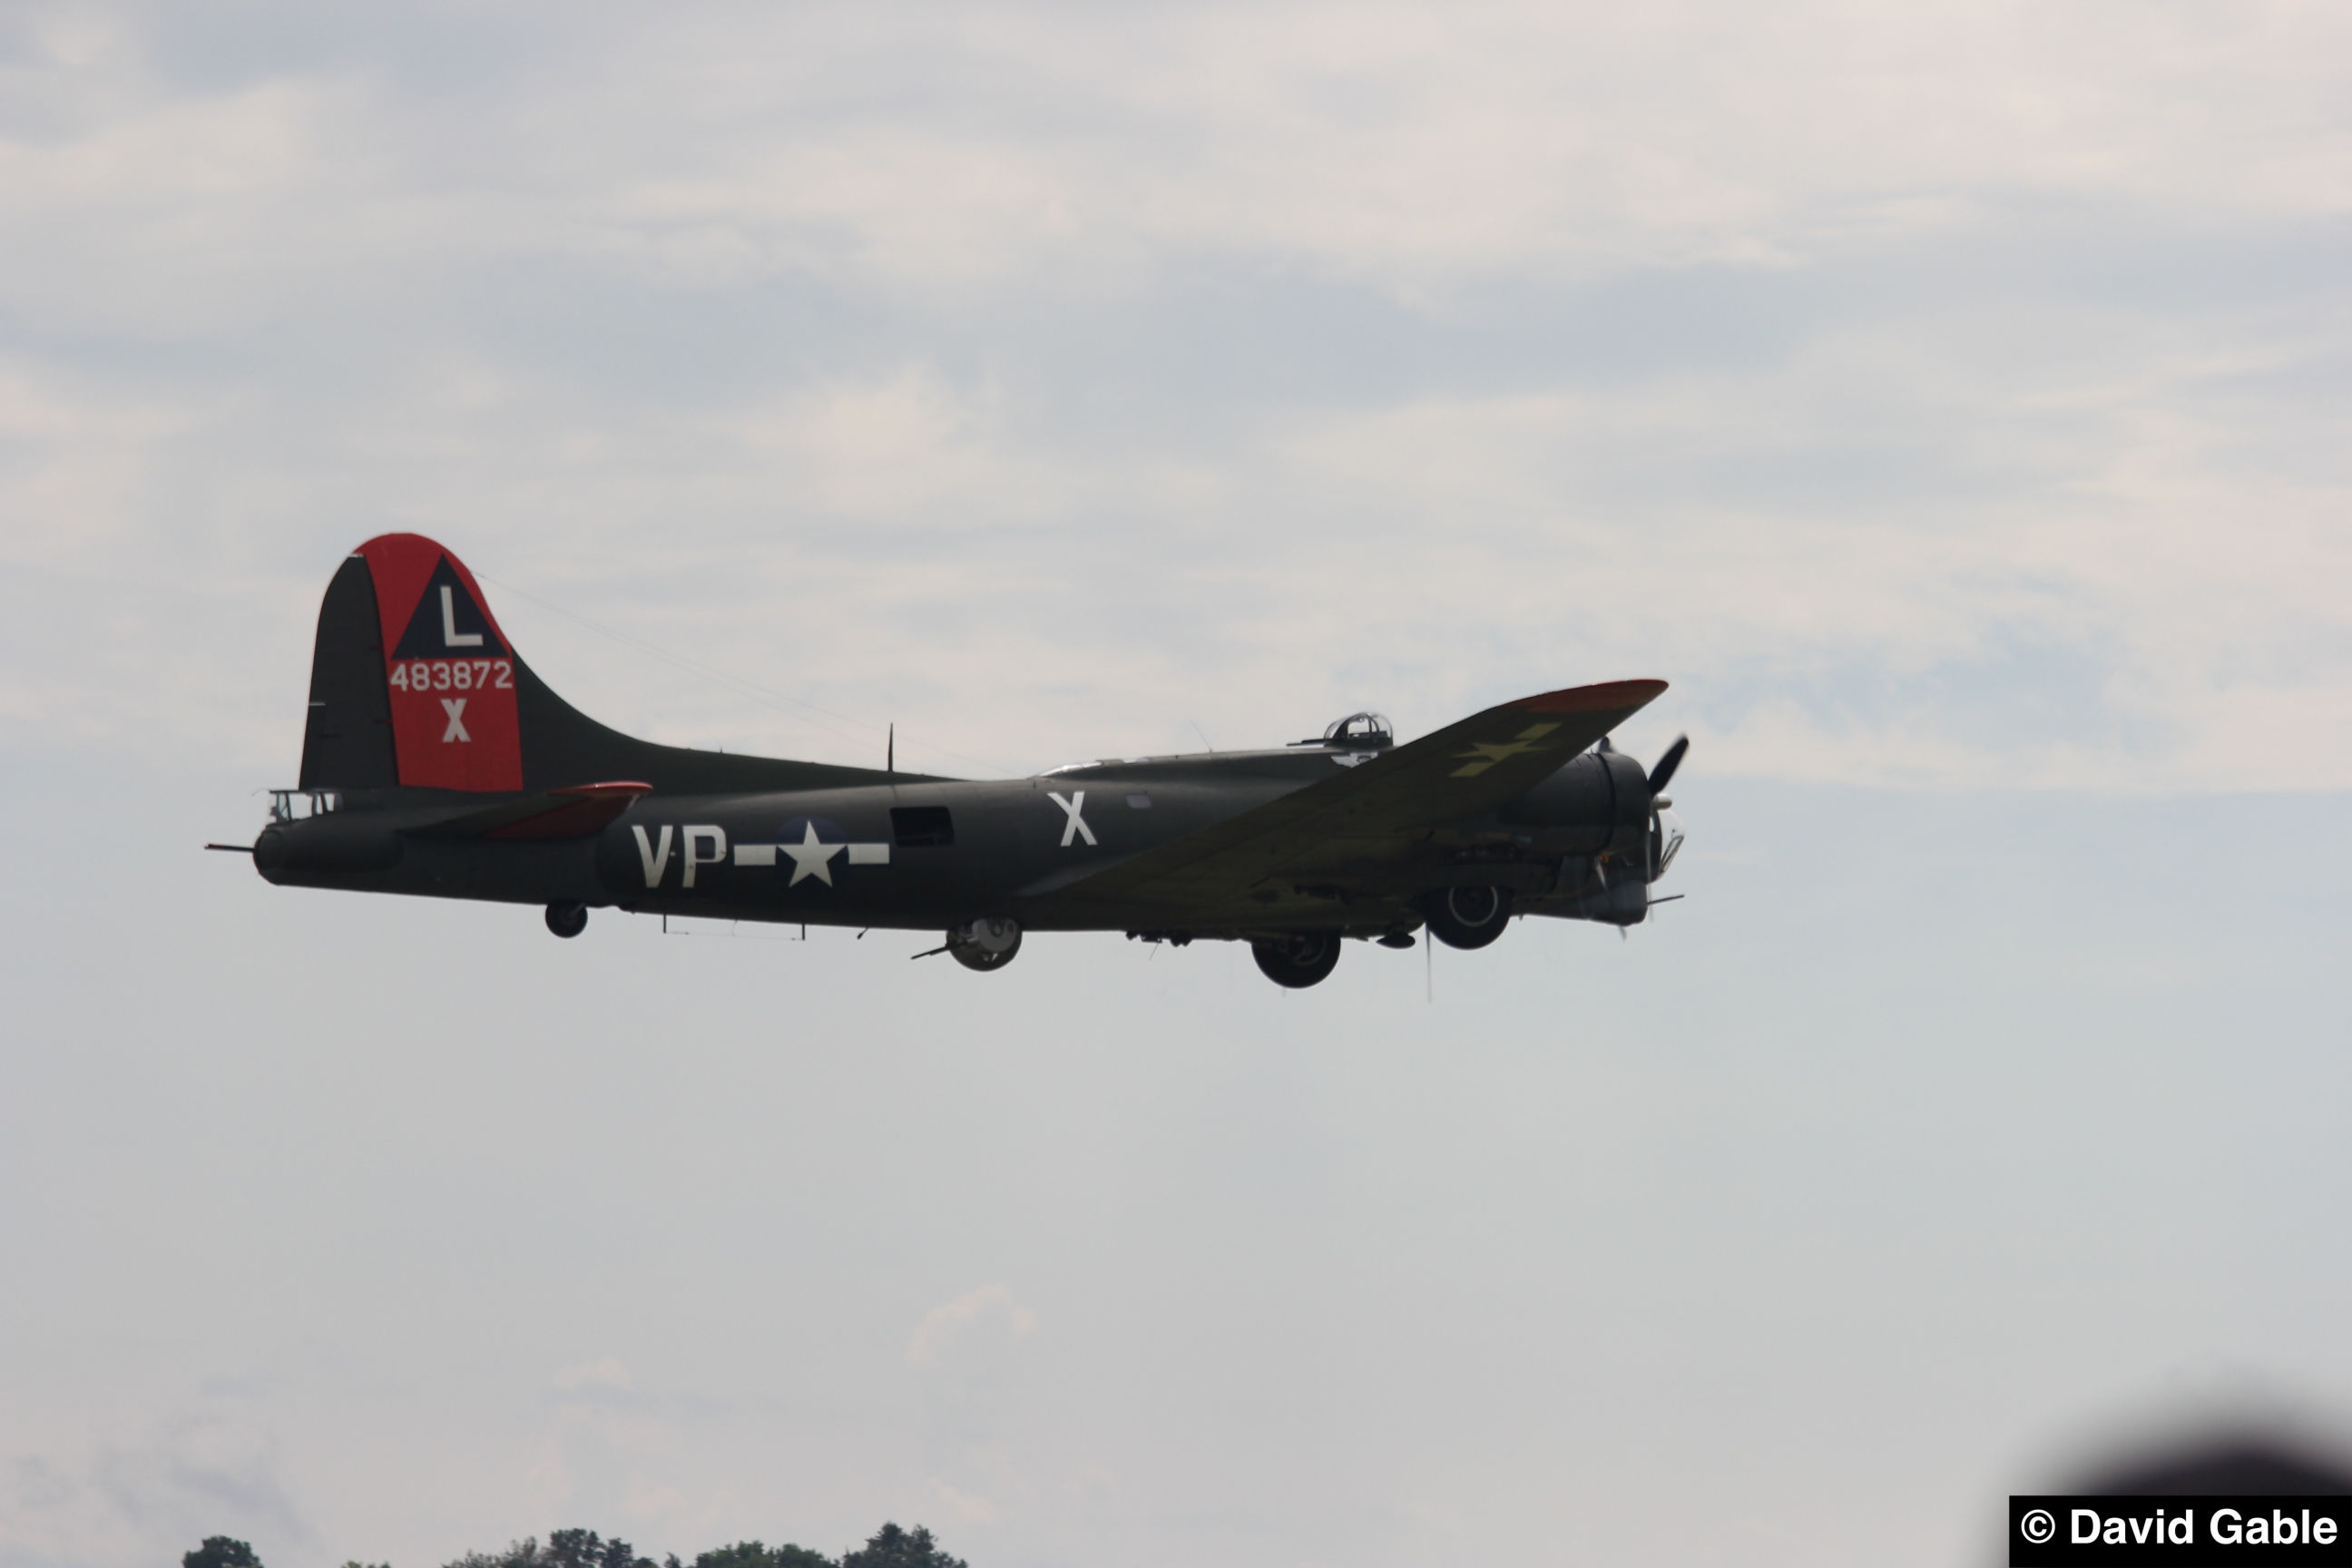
(1625, 694)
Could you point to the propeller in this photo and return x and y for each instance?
(1663, 773)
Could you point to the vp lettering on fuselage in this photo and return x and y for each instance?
(700, 845)
(812, 845)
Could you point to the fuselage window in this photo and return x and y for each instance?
(921, 826)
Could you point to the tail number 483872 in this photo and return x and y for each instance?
(453, 675)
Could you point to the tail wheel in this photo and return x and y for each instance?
(1467, 917)
(1299, 960)
(567, 917)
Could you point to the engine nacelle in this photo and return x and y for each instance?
(1599, 802)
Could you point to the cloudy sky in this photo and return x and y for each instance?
(1949, 400)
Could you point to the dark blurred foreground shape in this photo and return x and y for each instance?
(889, 1547)
(2236, 1464)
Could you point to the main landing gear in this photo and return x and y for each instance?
(1298, 960)
(1458, 917)
(1467, 917)
(567, 917)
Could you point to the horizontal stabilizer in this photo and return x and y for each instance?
(574, 812)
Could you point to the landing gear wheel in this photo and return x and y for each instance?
(1297, 961)
(1467, 917)
(985, 945)
(567, 917)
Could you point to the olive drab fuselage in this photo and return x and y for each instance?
(436, 764)
(925, 856)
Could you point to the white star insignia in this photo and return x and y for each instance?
(811, 858)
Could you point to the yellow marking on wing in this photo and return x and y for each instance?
(1487, 754)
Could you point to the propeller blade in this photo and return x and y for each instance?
(1663, 773)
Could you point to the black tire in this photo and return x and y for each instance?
(1467, 917)
(567, 917)
(1299, 961)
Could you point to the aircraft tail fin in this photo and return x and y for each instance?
(414, 684)
(347, 742)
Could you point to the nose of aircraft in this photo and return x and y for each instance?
(1665, 828)
(1666, 837)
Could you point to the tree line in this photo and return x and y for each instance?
(889, 1547)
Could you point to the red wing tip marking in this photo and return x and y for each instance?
(1591, 698)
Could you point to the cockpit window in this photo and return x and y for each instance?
(1361, 733)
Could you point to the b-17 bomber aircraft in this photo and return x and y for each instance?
(436, 764)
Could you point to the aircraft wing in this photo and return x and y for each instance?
(1467, 768)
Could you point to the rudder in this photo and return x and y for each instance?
(347, 740)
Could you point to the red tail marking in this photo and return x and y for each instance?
(454, 720)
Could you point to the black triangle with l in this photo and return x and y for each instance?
(448, 624)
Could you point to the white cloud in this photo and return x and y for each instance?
(1050, 384)
(989, 1312)
(604, 1372)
